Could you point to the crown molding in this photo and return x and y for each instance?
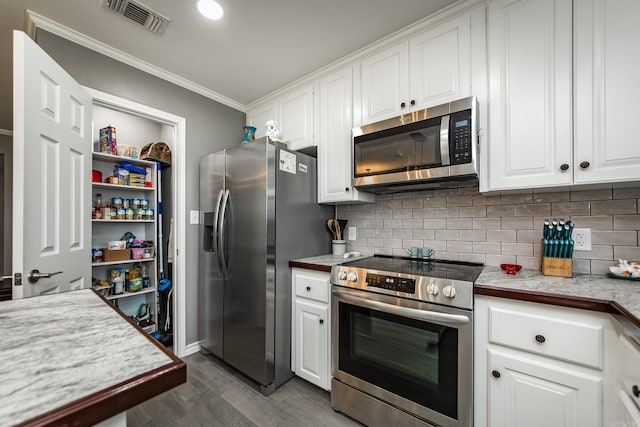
(42, 22)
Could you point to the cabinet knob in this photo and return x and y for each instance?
(495, 373)
(346, 189)
(564, 167)
(635, 390)
(402, 105)
(584, 165)
(321, 321)
(413, 102)
(308, 288)
(540, 338)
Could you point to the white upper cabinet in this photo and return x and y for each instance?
(430, 68)
(334, 117)
(529, 44)
(259, 115)
(562, 90)
(293, 113)
(606, 70)
(295, 117)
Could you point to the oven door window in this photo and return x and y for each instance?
(414, 359)
(416, 146)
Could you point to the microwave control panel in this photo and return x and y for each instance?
(461, 138)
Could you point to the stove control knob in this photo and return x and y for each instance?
(353, 277)
(449, 291)
(433, 289)
(342, 275)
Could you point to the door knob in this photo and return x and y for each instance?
(540, 339)
(413, 102)
(495, 373)
(321, 321)
(635, 390)
(35, 275)
(584, 165)
(402, 105)
(564, 167)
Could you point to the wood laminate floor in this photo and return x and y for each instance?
(217, 395)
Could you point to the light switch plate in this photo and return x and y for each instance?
(194, 217)
(351, 233)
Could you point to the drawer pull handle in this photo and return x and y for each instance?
(308, 288)
(635, 390)
(321, 321)
(495, 373)
(540, 339)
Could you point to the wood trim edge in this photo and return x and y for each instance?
(309, 266)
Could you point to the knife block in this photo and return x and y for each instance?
(562, 267)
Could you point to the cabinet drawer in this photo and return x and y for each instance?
(547, 334)
(312, 285)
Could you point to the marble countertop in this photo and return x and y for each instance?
(323, 262)
(61, 348)
(623, 293)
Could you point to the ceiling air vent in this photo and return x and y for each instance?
(139, 13)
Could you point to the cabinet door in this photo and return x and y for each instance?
(312, 342)
(529, 393)
(529, 43)
(335, 164)
(607, 64)
(385, 84)
(628, 412)
(295, 117)
(439, 61)
(259, 115)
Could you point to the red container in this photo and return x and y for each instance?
(96, 176)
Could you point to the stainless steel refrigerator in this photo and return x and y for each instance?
(259, 210)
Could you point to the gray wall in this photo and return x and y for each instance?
(462, 224)
(211, 126)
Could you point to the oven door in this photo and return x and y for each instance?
(414, 356)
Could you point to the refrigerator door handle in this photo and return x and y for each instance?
(221, 241)
(216, 228)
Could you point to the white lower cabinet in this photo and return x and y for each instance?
(311, 321)
(628, 384)
(526, 392)
(542, 365)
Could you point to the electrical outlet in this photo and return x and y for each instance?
(194, 217)
(582, 239)
(351, 233)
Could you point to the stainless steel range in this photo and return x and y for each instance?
(403, 341)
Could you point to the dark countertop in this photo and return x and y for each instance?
(590, 292)
(74, 359)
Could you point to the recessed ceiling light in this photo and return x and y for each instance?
(210, 9)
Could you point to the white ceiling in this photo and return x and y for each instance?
(258, 47)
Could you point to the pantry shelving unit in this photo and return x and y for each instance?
(104, 230)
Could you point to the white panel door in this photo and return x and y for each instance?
(530, 92)
(440, 66)
(528, 393)
(312, 341)
(295, 116)
(607, 64)
(385, 84)
(51, 174)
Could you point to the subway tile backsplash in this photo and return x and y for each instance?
(462, 224)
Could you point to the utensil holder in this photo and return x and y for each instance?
(338, 247)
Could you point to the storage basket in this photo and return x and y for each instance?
(158, 152)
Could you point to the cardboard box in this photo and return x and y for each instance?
(108, 142)
(117, 255)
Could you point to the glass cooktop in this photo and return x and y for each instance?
(458, 270)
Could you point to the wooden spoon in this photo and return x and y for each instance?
(330, 223)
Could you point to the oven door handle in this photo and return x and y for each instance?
(431, 316)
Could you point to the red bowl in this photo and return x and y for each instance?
(511, 268)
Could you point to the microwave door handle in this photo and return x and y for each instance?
(444, 141)
(430, 316)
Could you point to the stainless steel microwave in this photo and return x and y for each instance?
(430, 148)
